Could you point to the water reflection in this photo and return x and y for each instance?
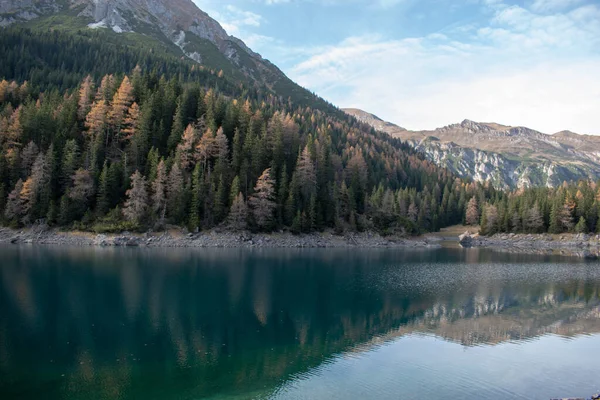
(119, 323)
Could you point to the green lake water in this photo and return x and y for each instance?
(91, 323)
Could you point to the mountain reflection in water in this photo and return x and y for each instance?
(166, 323)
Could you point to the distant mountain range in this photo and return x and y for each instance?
(131, 82)
(506, 156)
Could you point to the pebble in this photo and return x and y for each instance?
(212, 239)
(569, 244)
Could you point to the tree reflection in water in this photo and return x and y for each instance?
(167, 323)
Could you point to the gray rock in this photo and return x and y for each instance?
(466, 239)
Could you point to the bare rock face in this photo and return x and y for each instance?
(505, 156)
(174, 19)
(12, 11)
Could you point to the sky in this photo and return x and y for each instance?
(424, 64)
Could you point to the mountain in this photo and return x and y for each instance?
(179, 27)
(138, 114)
(178, 22)
(506, 156)
(375, 121)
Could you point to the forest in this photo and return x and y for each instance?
(102, 137)
(573, 207)
(141, 152)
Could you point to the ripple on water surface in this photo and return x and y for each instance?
(295, 324)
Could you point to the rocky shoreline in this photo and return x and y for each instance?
(212, 239)
(579, 245)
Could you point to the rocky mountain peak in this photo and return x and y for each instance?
(475, 127)
(175, 19)
(374, 121)
(12, 11)
(506, 156)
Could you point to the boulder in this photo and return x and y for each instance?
(466, 239)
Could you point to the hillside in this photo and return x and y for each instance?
(175, 29)
(508, 157)
(110, 122)
(375, 122)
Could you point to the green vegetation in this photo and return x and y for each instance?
(141, 152)
(85, 146)
(178, 143)
(103, 136)
(571, 208)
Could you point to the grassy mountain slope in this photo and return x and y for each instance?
(149, 35)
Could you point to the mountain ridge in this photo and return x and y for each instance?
(179, 24)
(507, 156)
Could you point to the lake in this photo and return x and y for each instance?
(96, 323)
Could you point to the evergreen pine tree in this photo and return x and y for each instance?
(13, 210)
(103, 199)
(159, 189)
(581, 226)
(534, 222)
(197, 198)
(136, 207)
(262, 201)
(238, 215)
(235, 189)
(175, 194)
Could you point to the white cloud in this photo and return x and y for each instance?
(553, 5)
(367, 3)
(533, 65)
(525, 68)
(236, 21)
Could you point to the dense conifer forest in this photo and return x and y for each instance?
(570, 208)
(143, 151)
(102, 137)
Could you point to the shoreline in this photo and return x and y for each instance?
(578, 245)
(175, 238)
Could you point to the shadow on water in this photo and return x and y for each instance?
(188, 324)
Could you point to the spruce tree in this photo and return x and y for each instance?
(136, 207)
(581, 226)
(197, 198)
(70, 161)
(235, 189)
(175, 194)
(534, 222)
(238, 215)
(103, 199)
(81, 192)
(159, 189)
(262, 201)
(14, 210)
